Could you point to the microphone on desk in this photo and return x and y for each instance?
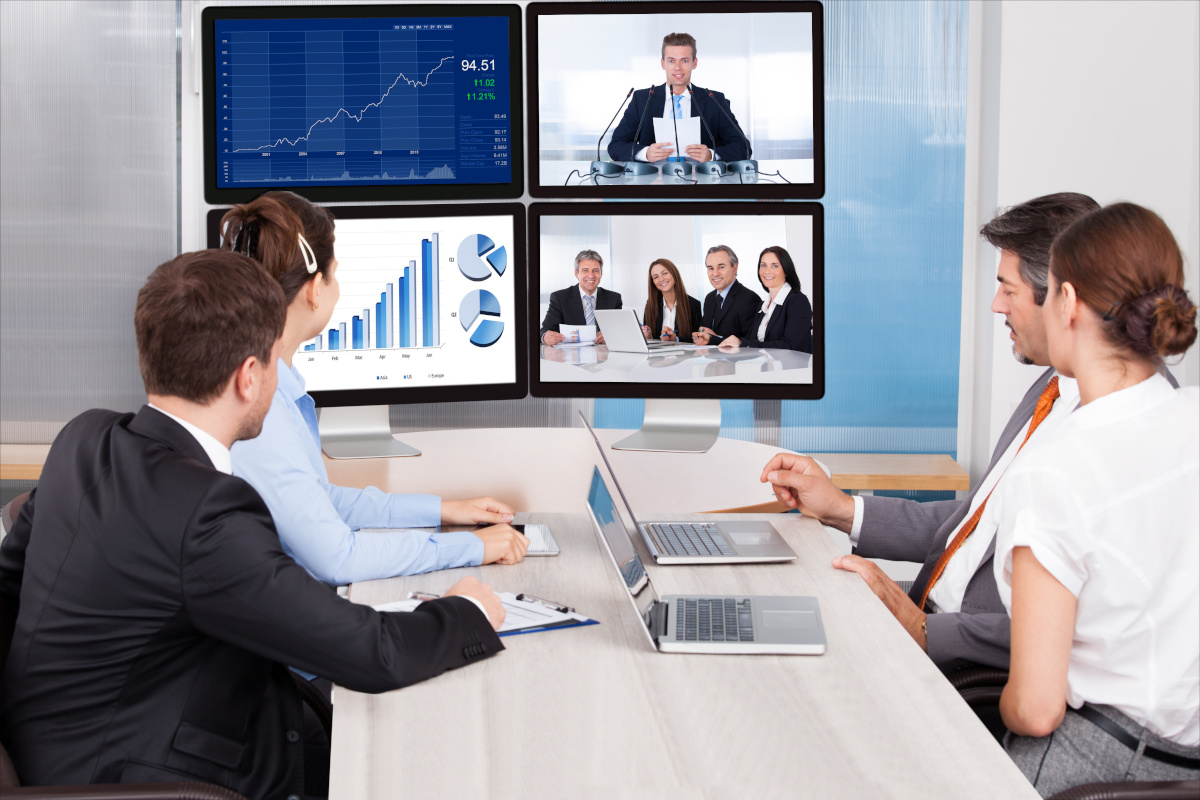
(678, 168)
(600, 167)
(633, 166)
(746, 165)
(715, 166)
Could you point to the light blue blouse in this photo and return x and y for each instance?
(318, 522)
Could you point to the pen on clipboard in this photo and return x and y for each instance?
(528, 598)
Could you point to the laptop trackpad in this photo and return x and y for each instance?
(789, 619)
(748, 538)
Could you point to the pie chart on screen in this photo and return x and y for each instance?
(479, 313)
(478, 257)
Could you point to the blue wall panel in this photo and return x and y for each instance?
(895, 111)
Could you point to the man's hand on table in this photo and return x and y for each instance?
(471, 587)
(475, 511)
(897, 601)
(502, 544)
(800, 483)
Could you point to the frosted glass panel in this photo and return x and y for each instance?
(87, 201)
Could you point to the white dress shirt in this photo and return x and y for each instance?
(217, 453)
(1109, 505)
(947, 594)
(768, 306)
(685, 111)
(668, 319)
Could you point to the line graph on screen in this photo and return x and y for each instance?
(350, 115)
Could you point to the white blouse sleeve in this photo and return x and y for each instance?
(1040, 510)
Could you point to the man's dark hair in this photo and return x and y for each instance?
(678, 40)
(199, 317)
(1030, 228)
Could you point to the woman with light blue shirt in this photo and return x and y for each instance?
(318, 522)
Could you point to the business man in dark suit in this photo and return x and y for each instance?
(730, 308)
(720, 135)
(576, 305)
(954, 610)
(156, 608)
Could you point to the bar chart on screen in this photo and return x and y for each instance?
(407, 312)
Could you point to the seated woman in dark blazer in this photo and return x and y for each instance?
(785, 321)
(665, 316)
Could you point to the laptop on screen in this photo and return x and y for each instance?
(691, 542)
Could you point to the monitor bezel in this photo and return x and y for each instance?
(759, 190)
(215, 195)
(397, 395)
(720, 391)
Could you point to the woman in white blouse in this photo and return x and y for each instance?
(785, 320)
(1098, 548)
(671, 313)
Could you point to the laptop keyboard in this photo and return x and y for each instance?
(692, 539)
(717, 619)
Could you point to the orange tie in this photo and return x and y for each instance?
(1044, 404)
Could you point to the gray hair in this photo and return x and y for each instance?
(719, 248)
(588, 255)
(1030, 228)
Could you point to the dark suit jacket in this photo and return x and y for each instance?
(655, 321)
(730, 143)
(156, 611)
(905, 530)
(566, 307)
(790, 326)
(736, 315)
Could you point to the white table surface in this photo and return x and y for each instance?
(549, 469)
(595, 712)
(742, 365)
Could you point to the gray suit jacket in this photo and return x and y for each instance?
(905, 530)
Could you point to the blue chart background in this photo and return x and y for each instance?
(275, 78)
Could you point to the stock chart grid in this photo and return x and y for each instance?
(362, 102)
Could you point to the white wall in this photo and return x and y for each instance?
(1100, 98)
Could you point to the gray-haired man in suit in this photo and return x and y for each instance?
(954, 611)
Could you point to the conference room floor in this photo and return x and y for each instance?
(597, 712)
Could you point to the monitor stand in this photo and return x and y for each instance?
(676, 426)
(360, 432)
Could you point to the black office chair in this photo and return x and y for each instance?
(981, 687)
(10, 785)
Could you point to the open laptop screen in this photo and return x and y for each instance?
(620, 546)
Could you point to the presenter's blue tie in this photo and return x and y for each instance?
(589, 316)
(678, 115)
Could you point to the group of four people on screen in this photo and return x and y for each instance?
(732, 315)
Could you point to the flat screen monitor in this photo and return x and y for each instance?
(628, 257)
(431, 308)
(356, 103)
(676, 100)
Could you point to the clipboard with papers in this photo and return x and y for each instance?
(523, 613)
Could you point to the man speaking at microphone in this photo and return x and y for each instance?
(720, 135)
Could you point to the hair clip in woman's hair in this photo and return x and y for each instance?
(310, 258)
(1112, 312)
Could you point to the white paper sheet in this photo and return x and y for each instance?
(689, 132)
(518, 614)
(578, 333)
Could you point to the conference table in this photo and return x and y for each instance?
(597, 712)
(687, 363)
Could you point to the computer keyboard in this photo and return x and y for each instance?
(716, 619)
(692, 539)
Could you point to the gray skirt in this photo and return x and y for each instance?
(1080, 752)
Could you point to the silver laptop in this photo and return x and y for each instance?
(693, 542)
(623, 333)
(703, 623)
